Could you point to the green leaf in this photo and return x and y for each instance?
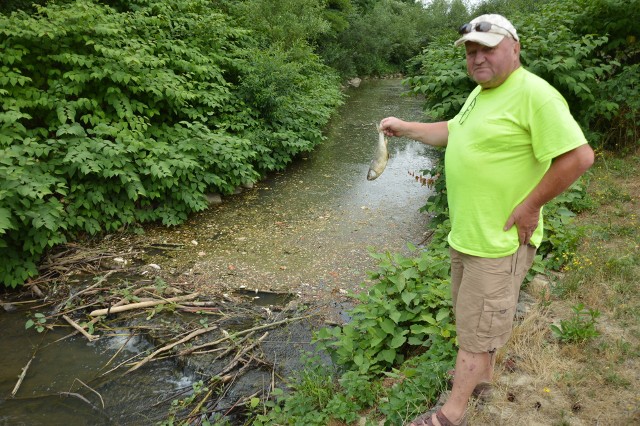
(388, 326)
(442, 314)
(408, 297)
(398, 341)
(388, 355)
(5, 220)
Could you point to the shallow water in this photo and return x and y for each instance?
(301, 232)
(307, 230)
(62, 366)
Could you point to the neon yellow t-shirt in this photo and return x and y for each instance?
(500, 145)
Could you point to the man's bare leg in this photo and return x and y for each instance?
(471, 369)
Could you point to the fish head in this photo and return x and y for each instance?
(372, 174)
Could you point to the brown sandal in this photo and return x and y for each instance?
(425, 419)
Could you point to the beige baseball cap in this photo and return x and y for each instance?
(488, 30)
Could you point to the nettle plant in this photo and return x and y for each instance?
(403, 313)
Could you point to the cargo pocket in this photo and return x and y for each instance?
(496, 318)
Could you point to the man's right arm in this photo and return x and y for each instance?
(435, 134)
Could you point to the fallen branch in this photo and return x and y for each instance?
(202, 304)
(73, 296)
(21, 378)
(141, 305)
(230, 348)
(114, 356)
(167, 347)
(241, 353)
(80, 329)
(241, 401)
(92, 390)
(80, 397)
(240, 333)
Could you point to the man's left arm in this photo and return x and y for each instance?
(565, 169)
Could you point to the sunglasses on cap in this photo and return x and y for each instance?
(483, 27)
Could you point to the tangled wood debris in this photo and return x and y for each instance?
(223, 328)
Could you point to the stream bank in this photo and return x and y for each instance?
(293, 246)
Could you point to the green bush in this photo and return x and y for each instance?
(589, 51)
(111, 119)
(407, 308)
(579, 328)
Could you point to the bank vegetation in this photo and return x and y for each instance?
(116, 114)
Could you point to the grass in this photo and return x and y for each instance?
(541, 381)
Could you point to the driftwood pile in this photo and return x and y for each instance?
(113, 303)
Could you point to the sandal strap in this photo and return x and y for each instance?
(444, 421)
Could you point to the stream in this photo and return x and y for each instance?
(304, 233)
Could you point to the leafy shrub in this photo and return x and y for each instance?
(419, 382)
(112, 119)
(443, 78)
(561, 236)
(587, 50)
(579, 328)
(294, 94)
(406, 309)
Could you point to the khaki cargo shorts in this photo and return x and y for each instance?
(485, 293)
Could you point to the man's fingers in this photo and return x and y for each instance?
(509, 223)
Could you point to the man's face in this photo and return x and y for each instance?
(490, 66)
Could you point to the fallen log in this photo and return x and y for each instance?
(141, 305)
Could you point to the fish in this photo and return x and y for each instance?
(381, 157)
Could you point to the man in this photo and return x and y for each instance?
(513, 147)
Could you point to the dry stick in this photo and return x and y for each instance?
(80, 329)
(230, 348)
(167, 347)
(92, 390)
(21, 378)
(118, 351)
(242, 399)
(197, 408)
(79, 259)
(124, 302)
(240, 333)
(241, 353)
(120, 365)
(99, 312)
(73, 296)
(82, 398)
(228, 379)
(78, 308)
(210, 351)
(273, 373)
(214, 304)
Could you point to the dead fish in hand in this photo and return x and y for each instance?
(381, 157)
